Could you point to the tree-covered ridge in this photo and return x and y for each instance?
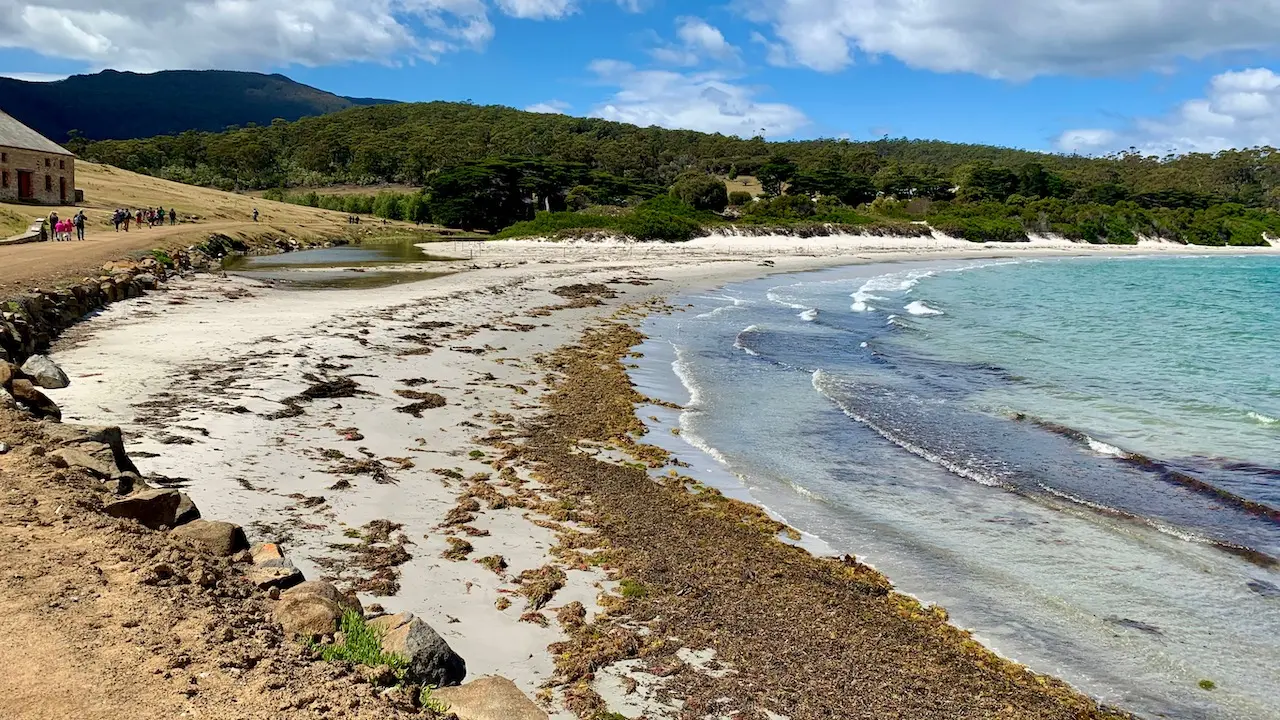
(492, 167)
(112, 104)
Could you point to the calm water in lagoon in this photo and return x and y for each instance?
(876, 408)
(349, 266)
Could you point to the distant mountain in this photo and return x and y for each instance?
(113, 105)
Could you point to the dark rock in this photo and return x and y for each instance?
(220, 538)
(151, 508)
(37, 402)
(45, 373)
(431, 660)
(186, 512)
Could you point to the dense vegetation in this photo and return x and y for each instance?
(123, 105)
(492, 168)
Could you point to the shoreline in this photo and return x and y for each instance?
(580, 586)
(467, 299)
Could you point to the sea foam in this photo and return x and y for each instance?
(919, 308)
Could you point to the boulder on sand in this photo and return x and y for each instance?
(37, 402)
(152, 508)
(312, 609)
(489, 698)
(223, 539)
(431, 660)
(45, 373)
(77, 457)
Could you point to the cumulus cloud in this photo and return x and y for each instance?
(1016, 40)
(696, 40)
(1240, 109)
(242, 34)
(550, 107)
(257, 34)
(538, 9)
(706, 101)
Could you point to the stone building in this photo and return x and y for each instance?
(34, 168)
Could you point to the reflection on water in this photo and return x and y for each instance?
(349, 266)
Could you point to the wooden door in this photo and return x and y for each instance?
(62, 189)
(25, 189)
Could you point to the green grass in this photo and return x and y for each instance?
(475, 454)
(361, 645)
(1208, 685)
(162, 257)
(633, 589)
(431, 703)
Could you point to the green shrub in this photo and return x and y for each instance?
(701, 192)
(361, 645)
(740, 198)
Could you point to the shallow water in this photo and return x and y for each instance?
(348, 266)
(876, 408)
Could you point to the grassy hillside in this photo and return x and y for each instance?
(115, 105)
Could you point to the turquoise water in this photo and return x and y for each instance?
(1173, 358)
(1077, 457)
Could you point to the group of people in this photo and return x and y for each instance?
(152, 217)
(63, 229)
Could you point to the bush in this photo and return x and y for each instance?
(701, 192)
(740, 198)
(648, 225)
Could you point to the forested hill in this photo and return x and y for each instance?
(493, 167)
(407, 142)
(120, 105)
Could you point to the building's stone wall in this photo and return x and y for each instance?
(59, 169)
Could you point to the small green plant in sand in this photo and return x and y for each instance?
(430, 702)
(475, 455)
(632, 589)
(1208, 685)
(162, 257)
(361, 644)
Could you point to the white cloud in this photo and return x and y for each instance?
(242, 34)
(550, 107)
(259, 34)
(1240, 109)
(698, 40)
(1017, 40)
(538, 9)
(34, 76)
(706, 101)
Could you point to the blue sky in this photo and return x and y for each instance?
(1077, 75)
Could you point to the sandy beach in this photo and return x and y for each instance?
(392, 476)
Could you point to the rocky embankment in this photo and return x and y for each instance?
(235, 629)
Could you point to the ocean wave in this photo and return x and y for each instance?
(680, 367)
(1263, 419)
(1104, 449)
(718, 311)
(898, 282)
(920, 308)
(822, 382)
(774, 297)
(809, 315)
(737, 342)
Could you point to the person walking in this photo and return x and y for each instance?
(255, 214)
(53, 225)
(173, 216)
(139, 219)
(128, 217)
(80, 220)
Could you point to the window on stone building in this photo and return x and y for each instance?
(47, 163)
(48, 183)
(62, 164)
(4, 157)
(4, 181)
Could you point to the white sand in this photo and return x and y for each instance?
(209, 344)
